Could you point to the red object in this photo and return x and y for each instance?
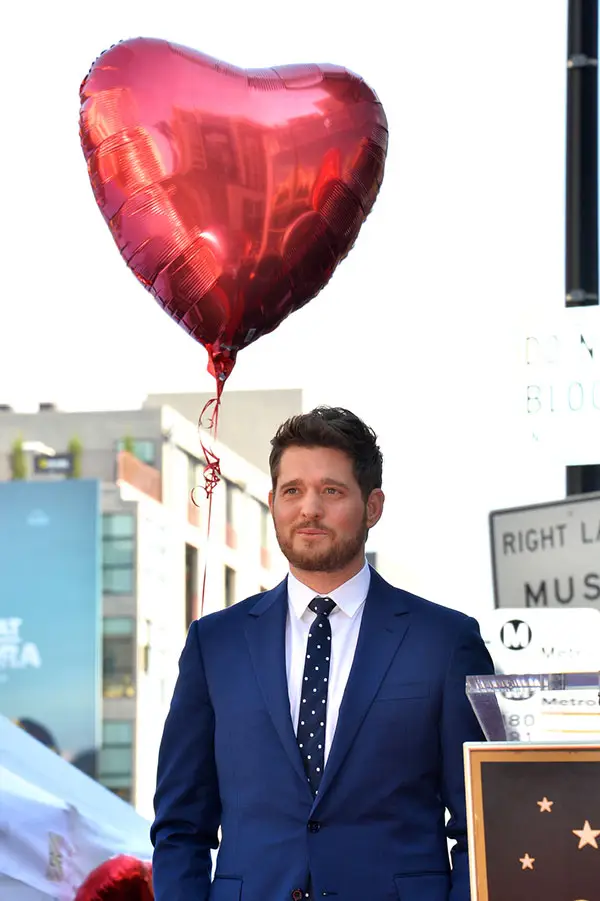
(232, 194)
(120, 879)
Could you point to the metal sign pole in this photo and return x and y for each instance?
(582, 155)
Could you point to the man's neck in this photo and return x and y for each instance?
(324, 583)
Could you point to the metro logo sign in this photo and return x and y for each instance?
(515, 635)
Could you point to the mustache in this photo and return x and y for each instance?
(309, 524)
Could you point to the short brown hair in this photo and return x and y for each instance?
(337, 428)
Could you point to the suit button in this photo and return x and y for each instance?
(297, 894)
(313, 826)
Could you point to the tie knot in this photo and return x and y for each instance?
(322, 606)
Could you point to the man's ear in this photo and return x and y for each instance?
(375, 504)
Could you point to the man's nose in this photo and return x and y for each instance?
(312, 505)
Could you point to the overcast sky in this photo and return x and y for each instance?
(420, 328)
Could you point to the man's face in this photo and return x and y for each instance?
(320, 516)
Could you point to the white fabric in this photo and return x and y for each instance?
(35, 831)
(345, 622)
(14, 890)
(56, 824)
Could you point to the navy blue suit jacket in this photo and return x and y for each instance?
(229, 759)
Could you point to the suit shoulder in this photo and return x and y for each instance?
(438, 614)
(228, 615)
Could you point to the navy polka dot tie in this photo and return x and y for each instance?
(313, 702)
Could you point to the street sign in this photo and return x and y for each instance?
(60, 464)
(542, 641)
(546, 641)
(547, 555)
(561, 391)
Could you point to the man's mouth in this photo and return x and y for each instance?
(309, 531)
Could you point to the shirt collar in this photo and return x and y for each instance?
(348, 597)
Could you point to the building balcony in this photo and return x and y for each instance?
(139, 475)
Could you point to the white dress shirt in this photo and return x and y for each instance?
(345, 621)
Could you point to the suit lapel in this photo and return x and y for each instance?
(265, 634)
(383, 627)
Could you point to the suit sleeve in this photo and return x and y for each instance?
(459, 725)
(187, 802)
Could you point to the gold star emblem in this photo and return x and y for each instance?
(527, 862)
(587, 835)
(545, 805)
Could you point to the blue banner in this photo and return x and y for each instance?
(50, 613)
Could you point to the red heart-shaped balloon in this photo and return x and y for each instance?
(232, 194)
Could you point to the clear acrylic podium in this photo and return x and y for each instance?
(546, 707)
(533, 788)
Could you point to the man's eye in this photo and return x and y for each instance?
(290, 490)
(332, 490)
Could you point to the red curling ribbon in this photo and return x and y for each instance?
(212, 469)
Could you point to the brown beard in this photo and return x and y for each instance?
(334, 558)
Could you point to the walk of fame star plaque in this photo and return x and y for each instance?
(533, 813)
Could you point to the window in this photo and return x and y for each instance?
(117, 525)
(191, 470)
(195, 469)
(228, 502)
(116, 762)
(191, 584)
(229, 586)
(118, 657)
(116, 757)
(118, 547)
(117, 733)
(118, 581)
(124, 793)
(142, 448)
(233, 498)
(583, 479)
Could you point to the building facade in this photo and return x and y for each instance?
(157, 553)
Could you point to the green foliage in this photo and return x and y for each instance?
(129, 444)
(18, 460)
(75, 448)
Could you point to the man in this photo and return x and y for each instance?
(320, 725)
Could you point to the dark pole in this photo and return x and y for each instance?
(582, 155)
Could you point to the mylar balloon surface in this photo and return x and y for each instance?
(231, 194)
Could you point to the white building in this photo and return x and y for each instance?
(156, 555)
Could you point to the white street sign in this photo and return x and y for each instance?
(547, 555)
(547, 641)
(561, 394)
